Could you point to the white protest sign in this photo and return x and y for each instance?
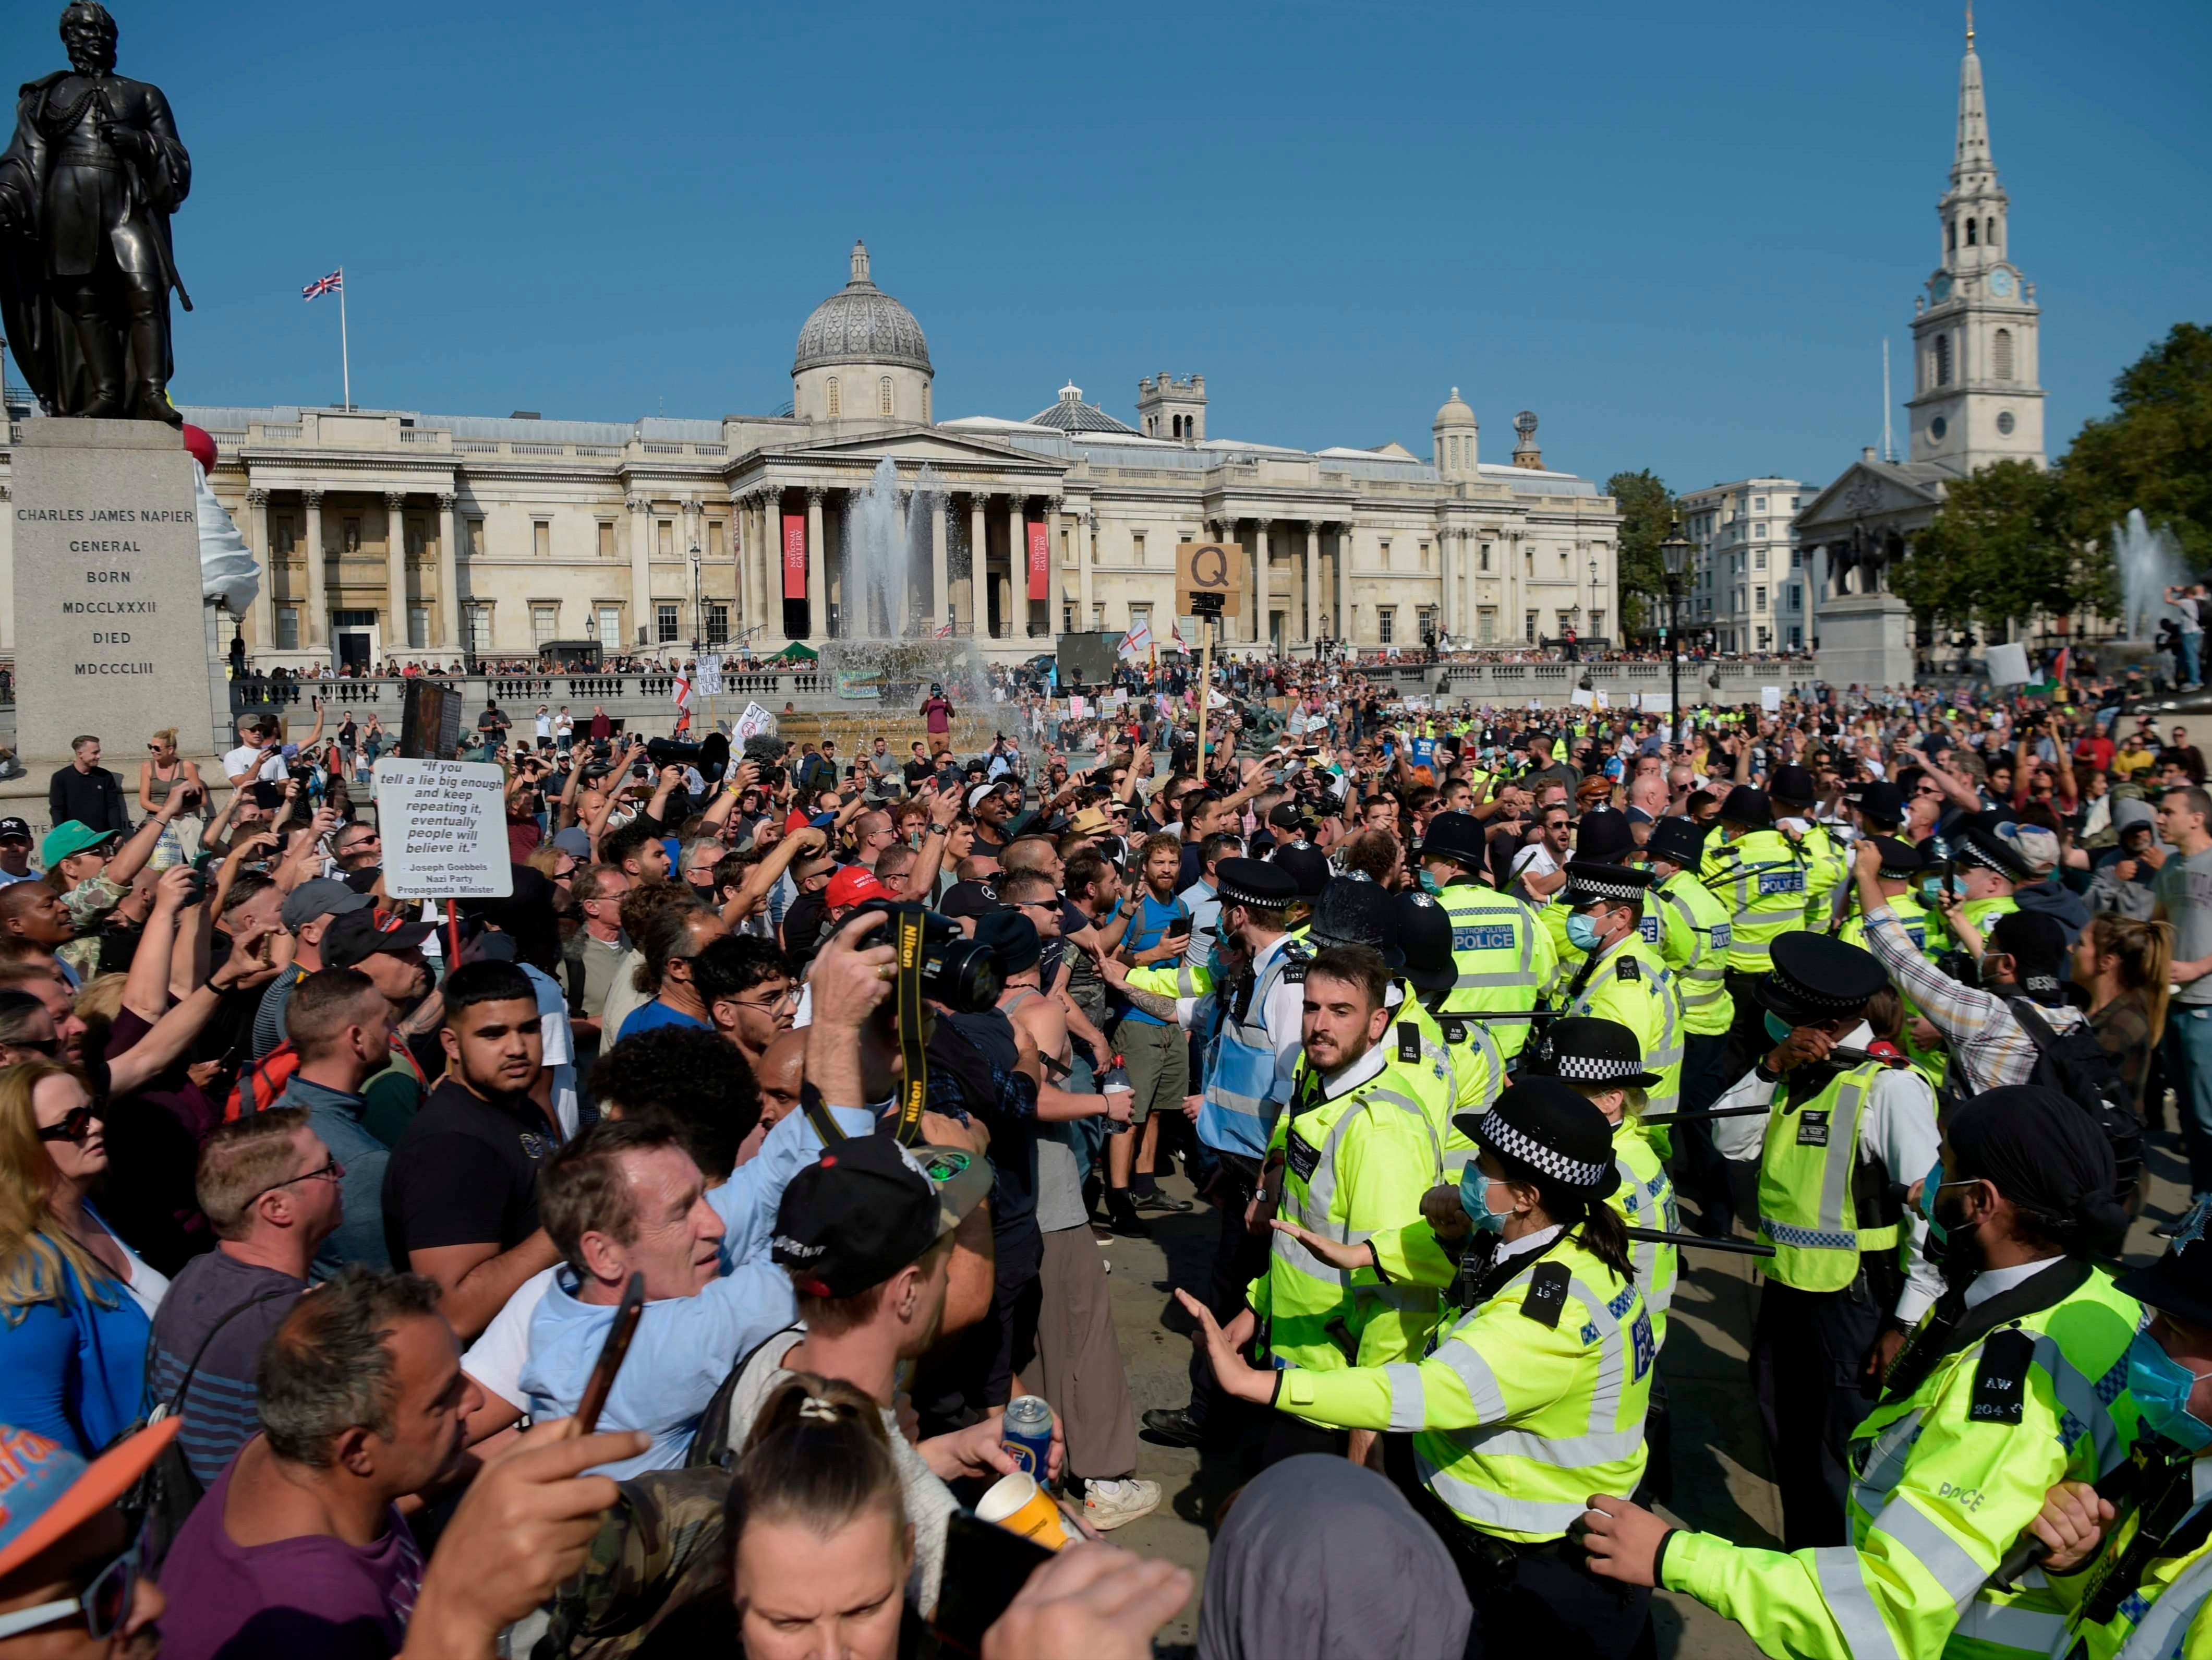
(1769, 699)
(444, 824)
(708, 680)
(1075, 706)
(2008, 664)
(1656, 702)
(1582, 700)
(753, 723)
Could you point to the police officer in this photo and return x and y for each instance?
(1989, 867)
(1535, 1398)
(1354, 1153)
(1838, 1132)
(1623, 978)
(1791, 792)
(2139, 1574)
(2020, 1378)
(1421, 931)
(1693, 941)
(1759, 876)
(1605, 837)
(1505, 960)
(1902, 866)
(1247, 1080)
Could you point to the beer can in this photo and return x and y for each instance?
(1026, 1433)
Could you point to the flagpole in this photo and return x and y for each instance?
(345, 350)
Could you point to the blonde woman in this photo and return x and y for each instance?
(75, 1302)
(161, 771)
(2123, 964)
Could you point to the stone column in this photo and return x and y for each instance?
(940, 581)
(395, 572)
(315, 625)
(1017, 602)
(1083, 566)
(1260, 582)
(449, 573)
(264, 603)
(817, 571)
(641, 577)
(979, 561)
(1313, 580)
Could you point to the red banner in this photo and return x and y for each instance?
(794, 556)
(1040, 561)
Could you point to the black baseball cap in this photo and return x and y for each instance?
(868, 1207)
(354, 937)
(14, 830)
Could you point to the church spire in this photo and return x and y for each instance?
(1973, 164)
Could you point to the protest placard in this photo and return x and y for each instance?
(444, 824)
(755, 722)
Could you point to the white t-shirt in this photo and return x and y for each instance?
(560, 1041)
(496, 1359)
(564, 724)
(242, 759)
(544, 724)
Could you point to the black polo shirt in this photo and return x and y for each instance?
(464, 1172)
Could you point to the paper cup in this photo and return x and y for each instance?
(1017, 1504)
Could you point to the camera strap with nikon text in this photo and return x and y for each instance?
(909, 926)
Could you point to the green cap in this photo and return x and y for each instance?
(68, 838)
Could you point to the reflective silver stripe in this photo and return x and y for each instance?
(2163, 1628)
(1842, 1153)
(1885, 1462)
(2078, 1395)
(1488, 1509)
(1466, 1363)
(1612, 1366)
(1843, 1588)
(1947, 1561)
(2008, 1625)
(1563, 1452)
(1476, 982)
(1407, 1408)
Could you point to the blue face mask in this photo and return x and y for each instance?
(1582, 931)
(1475, 1199)
(2160, 1386)
(1429, 884)
(1777, 1028)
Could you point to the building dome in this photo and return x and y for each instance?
(1071, 414)
(1455, 413)
(861, 323)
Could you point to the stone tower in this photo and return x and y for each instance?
(1172, 409)
(1977, 395)
(1455, 438)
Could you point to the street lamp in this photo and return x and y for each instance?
(695, 601)
(1674, 555)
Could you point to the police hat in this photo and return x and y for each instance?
(1255, 882)
(1584, 1049)
(1678, 840)
(1815, 977)
(1422, 930)
(1879, 802)
(1604, 833)
(1993, 851)
(1748, 807)
(1589, 880)
(1307, 866)
(1539, 1124)
(2179, 1282)
(1457, 836)
(1793, 785)
(1901, 861)
(1352, 910)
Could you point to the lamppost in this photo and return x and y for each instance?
(696, 625)
(1674, 556)
(1594, 605)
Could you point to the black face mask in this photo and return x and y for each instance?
(704, 890)
(1957, 1252)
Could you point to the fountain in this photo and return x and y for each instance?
(2149, 562)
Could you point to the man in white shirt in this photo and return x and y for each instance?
(545, 725)
(564, 729)
(259, 757)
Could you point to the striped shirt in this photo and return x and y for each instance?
(1991, 1048)
(220, 1409)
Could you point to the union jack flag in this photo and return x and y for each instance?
(943, 632)
(325, 285)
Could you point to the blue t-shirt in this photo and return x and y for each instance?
(651, 1016)
(1146, 929)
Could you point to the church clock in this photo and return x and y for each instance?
(1941, 287)
(2001, 283)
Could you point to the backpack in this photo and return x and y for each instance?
(2076, 1064)
(260, 1084)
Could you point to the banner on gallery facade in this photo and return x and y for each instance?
(794, 556)
(1040, 561)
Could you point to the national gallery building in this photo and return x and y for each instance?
(392, 536)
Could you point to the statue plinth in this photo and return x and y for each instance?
(1866, 640)
(111, 632)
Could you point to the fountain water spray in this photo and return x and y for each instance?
(2149, 562)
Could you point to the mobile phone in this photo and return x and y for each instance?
(602, 1380)
(1177, 928)
(984, 1566)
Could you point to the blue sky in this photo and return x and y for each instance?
(1679, 233)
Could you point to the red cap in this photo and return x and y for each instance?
(854, 884)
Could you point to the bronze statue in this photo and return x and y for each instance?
(86, 191)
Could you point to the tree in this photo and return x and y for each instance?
(2000, 550)
(1647, 514)
(2153, 451)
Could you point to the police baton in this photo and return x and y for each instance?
(1759, 1112)
(1697, 1241)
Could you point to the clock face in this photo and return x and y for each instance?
(2001, 283)
(1941, 287)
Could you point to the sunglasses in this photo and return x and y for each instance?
(334, 1170)
(77, 1123)
(105, 1603)
(49, 1047)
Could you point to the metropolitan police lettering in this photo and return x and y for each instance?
(1791, 880)
(1484, 936)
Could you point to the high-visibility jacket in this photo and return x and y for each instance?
(1828, 862)
(1629, 984)
(1760, 878)
(1506, 962)
(1982, 913)
(1533, 1402)
(1350, 1166)
(1945, 1478)
(2162, 1614)
(1817, 1205)
(1645, 1198)
(1694, 931)
(1911, 914)
(1453, 1066)
(1238, 1107)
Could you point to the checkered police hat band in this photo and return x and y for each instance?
(1557, 1165)
(1579, 887)
(1971, 854)
(1596, 1068)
